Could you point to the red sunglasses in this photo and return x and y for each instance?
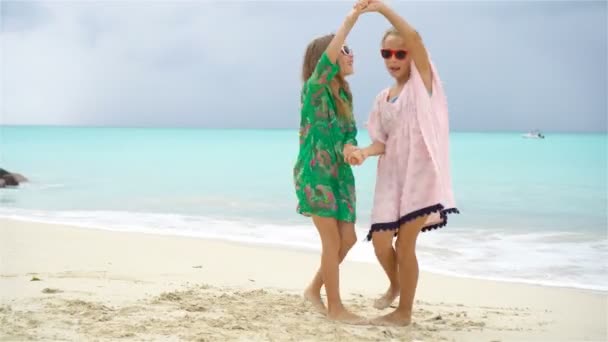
(388, 53)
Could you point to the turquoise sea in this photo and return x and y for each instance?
(532, 210)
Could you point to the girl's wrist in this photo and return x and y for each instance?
(365, 152)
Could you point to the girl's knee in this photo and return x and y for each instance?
(348, 241)
(348, 235)
(405, 246)
(383, 243)
(405, 252)
(382, 252)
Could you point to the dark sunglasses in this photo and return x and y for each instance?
(346, 50)
(388, 53)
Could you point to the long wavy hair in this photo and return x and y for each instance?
(312, 56)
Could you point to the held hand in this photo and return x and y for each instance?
(347, 151)
(357, 157)
(374, 6)
(360, 6)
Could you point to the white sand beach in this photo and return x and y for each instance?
(76, 284)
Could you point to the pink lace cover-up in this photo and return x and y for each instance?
(413, 175)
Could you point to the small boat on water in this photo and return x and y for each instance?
(536, 134)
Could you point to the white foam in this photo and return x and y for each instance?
(552, 259)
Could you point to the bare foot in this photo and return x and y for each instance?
(315, 299)
(395, 318)
(345, 316)
(387, 299)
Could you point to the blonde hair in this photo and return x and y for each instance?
(391, 31)
(313, 54)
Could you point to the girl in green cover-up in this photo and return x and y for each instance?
(324, 181)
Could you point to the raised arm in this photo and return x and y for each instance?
(412, 40)
(340, 37)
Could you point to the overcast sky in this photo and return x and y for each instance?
(506, 66)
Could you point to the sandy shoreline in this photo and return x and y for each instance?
(100, 285)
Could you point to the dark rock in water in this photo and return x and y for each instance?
(10, 179)
(19, 177)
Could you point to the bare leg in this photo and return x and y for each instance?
(348, 238)
(408, 274)
(386, 255)
(330, 261)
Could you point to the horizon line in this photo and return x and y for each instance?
(273, 128)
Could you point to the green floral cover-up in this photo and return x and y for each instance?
(325, 185)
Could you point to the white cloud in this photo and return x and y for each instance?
(129, 60)
(237, 63)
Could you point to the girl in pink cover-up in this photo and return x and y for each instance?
(409, 129)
